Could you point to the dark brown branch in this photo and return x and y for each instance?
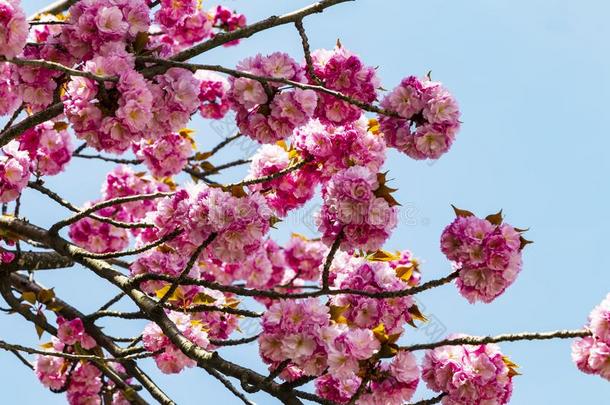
(34, 261)
(109, 203)
(187, 269)
(273, 21)
(329, 260)
(251, 292)
(29, 122)
(59, 67)
(430, 401)
(234, 342)
(153, 311)
(108, 159)
(135, 251)
(306, 51)
(509, 337)
(69, 312)
(265, 80)
(214, 373)
(55, 197)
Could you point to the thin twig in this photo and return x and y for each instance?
(39, 63)
(509, 337)
(187, 269)
(109, 203)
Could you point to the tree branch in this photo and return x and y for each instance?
(509, 337)
(33, 120)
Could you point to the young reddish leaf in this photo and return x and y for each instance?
(524, 242)
(495, 219)
(462, 213)
(417, 314)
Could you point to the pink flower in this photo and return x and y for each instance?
(335, 148)
(10, 91)
(305, 256)
(286, 192)
(213, 95)
(469, 374)
(14, 171)
(171, 360)
(13, 28)
(599, 320)
(591, 354)
(488, 256)
(50, 149)
(72, 332)
(123, 181)
(266, 113)
(343, 71)
(165, 156)
(430, 118)
(109, 20)
(101, 237)
(350, 206)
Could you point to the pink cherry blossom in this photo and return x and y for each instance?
(13, 28)
(14, 171)
(469, 374)
(350, 206)
(488, 256)
(430, 118)
(343, 71)
(165, 156)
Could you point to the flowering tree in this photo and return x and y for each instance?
(195, 259)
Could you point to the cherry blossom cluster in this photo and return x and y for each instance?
(49, 147)
(183, 23)
(123, 181)
(5, 255)
(213, 95)
(286, 192)
(486, 252)
(80, 379)
(305, 256)
(13, 28)
(392, 383)
(335, 148)
(239, 222)
(372, 275)
(305, 333)
(100, 237)
(92, 24)
(167, 155)
(429, 118)
(592, 353)
(14, 171)
(351, 207)
(469, 374)
(342, 70)
(10, 92)
(171, 360)
(264, 112)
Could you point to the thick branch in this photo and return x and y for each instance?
(33, 120)
(39, 261)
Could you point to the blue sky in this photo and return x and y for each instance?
(533, 81)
